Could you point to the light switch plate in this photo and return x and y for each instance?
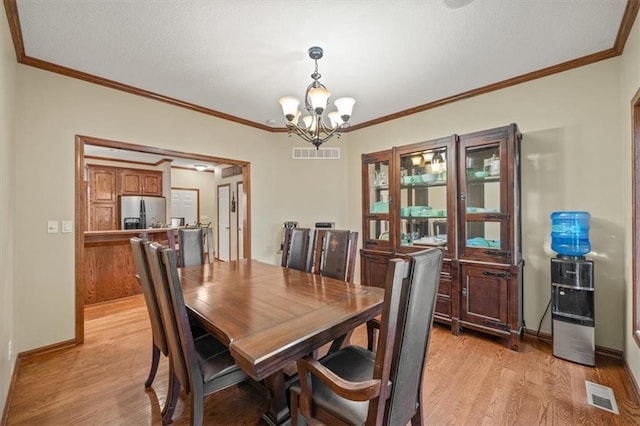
(67, 226)
(52, 227)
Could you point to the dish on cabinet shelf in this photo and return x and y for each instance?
(434, 241)
(481, 210)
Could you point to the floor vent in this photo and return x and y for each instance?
(305, 153)
(601, 397)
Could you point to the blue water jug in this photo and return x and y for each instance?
(570, 233)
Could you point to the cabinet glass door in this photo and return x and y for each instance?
(423, 205)
(376, 200)
(483, 208)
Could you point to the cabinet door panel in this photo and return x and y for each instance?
(152, 184)
(103, 217)
(130, 182)
(484, 296)
(102, 185)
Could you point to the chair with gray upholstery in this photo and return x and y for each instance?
(201, 367)
(356, 386)
(297, 248)
(191, 244)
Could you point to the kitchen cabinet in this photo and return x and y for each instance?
(460, 193)
(103, 198)
(140, 182)
(104, 186)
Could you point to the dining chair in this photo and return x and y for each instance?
(191, 246)
(201, 367)
(356, 386)
(159, 341)
(297, 248)
(335, 254)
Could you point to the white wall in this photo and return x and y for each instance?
(571, 152)
(630, 67)
(52, 109)
(7, 284)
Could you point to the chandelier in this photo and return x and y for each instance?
(314, 128)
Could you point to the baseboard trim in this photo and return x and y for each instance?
(46, 349)
(548, 338)
(22, 356)
(634, 384)
(9, 398)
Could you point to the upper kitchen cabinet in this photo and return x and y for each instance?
(140, 182)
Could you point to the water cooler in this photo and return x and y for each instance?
(572, 289)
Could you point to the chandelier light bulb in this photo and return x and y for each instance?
(314, 128)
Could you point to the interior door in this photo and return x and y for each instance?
(224, 235)
(184, 203)
(240, 210)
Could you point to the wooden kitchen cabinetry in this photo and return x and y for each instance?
(106, 183)
(140, 182)
(103, 198)
(462, 195)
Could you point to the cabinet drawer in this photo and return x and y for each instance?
(444, 288)
(443, 306)
(446, 267)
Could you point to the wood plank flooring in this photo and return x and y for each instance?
(470, 380)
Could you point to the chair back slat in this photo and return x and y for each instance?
(296, 248)
(414, 327)
(191, 242)
(335, 254)
(174, 314)
(149, 292)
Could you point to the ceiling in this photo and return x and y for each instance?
(234, 59)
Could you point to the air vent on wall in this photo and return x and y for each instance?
(304, 153)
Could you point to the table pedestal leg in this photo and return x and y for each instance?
(278, 412)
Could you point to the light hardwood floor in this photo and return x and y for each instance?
(470, 380)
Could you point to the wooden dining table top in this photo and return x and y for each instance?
(269, 315)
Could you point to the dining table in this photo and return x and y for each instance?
(270, 316)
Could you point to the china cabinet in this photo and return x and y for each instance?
(460, 193)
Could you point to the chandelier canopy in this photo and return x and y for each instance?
(314, 128)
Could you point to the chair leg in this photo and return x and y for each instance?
(416, 420)
(155, 360)
(172, 399)
(293, 397)
(371, 337)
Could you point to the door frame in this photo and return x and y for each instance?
(239, 209)
(81, 213)
(218, 187)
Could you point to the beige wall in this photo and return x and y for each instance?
(576, 155)
(7, 283)
(630, 72)
(52, 109)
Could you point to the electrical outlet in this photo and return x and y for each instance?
(67, 226)
(52, 227)
(9, 351)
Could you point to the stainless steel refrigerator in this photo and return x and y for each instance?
(147, 210)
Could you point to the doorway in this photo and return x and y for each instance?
(135, 151)
(224, 225)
